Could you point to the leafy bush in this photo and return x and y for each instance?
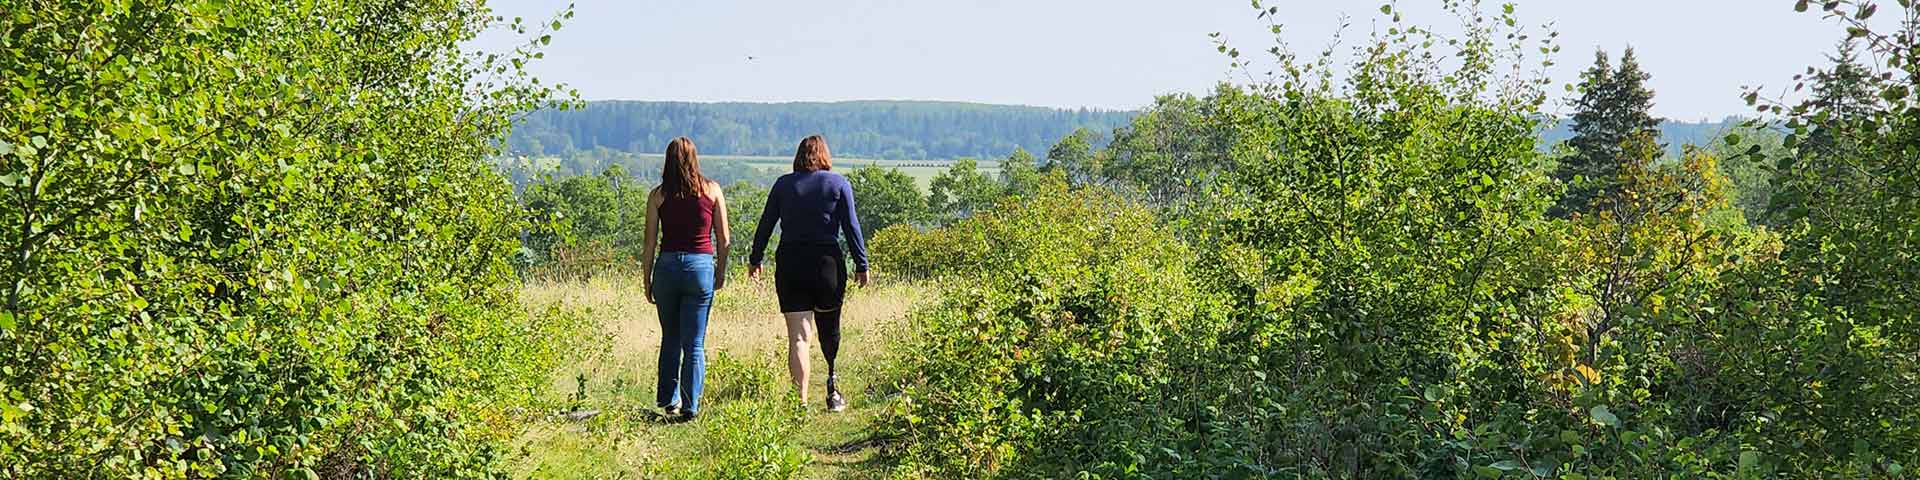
(273, 251)
(1374, 290)
(908, 252)
(1039, 364)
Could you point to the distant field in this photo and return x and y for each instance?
(922, 171)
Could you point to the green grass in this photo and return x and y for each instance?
(750, 425)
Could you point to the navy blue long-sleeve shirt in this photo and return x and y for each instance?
(811, 207)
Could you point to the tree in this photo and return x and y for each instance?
(887, 197)
(961, 190)
(1074, 156)
(1612, 110)
(1020, 174)
(1172, 152)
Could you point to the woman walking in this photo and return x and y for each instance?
(811, 205)
(688, 213)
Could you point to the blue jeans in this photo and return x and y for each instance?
(683, 294)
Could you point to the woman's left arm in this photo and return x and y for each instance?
(722, 236)
(849, 217)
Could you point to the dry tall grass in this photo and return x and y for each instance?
(745, 326)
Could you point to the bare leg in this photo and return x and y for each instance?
(799, 331)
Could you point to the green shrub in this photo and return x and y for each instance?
(272, 251)
(906, 251)
(1042, 362)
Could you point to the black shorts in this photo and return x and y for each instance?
(809, 278)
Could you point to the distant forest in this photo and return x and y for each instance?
(902, 130)
(894, 130)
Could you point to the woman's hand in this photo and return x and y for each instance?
(860, 278)
(719, 280)
(753, 272)
(649, 291)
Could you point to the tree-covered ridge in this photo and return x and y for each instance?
(898, 130)
(873, 129)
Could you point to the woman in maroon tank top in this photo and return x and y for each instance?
(688, 214)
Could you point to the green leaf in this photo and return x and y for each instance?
(1434, 393)
(10, 179)
(1895, 93)
(185, 169)
(1506, 465)
(6, 321)
(1800, 6)
(5, 148)
(1749, 460)
(1605, 416)
(1386, 9)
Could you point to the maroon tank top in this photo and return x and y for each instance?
(686, 224)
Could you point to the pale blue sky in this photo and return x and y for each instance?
(1104, 53)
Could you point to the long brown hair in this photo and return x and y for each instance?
(681, 178)
(812, 155)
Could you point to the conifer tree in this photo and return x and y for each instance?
(1612, 109)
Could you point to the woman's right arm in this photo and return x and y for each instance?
(650, 240)
(769, 215)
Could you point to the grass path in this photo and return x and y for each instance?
(748, 419)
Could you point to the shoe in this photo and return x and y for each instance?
(835, 403)
(670, 411)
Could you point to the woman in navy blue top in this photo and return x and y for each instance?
(812, 206)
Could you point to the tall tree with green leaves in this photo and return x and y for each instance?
(962, 190)
(1612, 110)
(1172, 152)
(1020, 173)
(1075, 156)
(887, 197)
